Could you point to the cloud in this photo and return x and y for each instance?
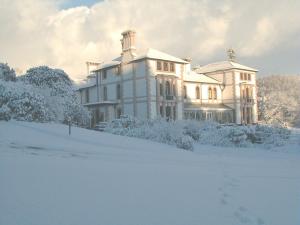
(35, 32)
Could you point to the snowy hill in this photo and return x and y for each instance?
(49, 177)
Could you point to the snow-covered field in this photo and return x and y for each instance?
(91, 178)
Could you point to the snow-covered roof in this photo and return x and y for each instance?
(196, 77)
(155, 54)
(224, 65)
(86, 83)
(108, 64)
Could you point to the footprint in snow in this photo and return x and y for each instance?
(260, 221)
(223, 201)
(242, 218)
(242, 209)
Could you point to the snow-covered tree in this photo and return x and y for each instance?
(20, 101)
(6, 73)
(58, 90)
(279, 100)
(42, 94)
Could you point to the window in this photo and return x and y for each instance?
(249, 76)
(158, 65)
(172, 68)
(168, 88)
(118, 70)
(209, 93)
(168, 112)
(197, 93)
(87, 95)
(104, 93)
(174, 112)
(104, 74)
(119, 113)
(241, 76)
(245, 76)
(215, 93)
(174, 89)
(161, 111)
(184, 92)
(166, 66)
(161, 89)
(118, 91)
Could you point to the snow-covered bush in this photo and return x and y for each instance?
(6, 73)
(184, 134)
(159, 130)
(5, 113)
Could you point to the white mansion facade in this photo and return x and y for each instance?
(154, 84)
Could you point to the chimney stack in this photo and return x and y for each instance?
(128, 45)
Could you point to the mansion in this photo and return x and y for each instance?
(154, 84)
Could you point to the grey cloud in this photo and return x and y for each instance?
(37, 32)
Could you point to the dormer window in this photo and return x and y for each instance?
(172, 67)
(166, 66)
(158, 65)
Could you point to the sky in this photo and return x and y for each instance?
(265, 34)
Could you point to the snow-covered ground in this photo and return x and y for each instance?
(48, 177)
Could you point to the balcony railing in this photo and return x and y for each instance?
(170, 97)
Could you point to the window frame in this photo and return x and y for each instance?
(87, 95)
(185, 92)
(104, 74)
(168, 88)
(165, 66)
(215, 93)
(158, 66)
(172, 67)
(105, 93)
(197, 91)
(118, 87)
(210, 97)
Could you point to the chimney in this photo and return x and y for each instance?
(128, 45)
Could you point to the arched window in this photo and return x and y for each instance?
(168, 88)
(104, 93)
(118, 91)
(209, 93)
(184, 92)
(197, 93)
(215, 93)
(174, 89)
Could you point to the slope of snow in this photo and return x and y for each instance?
(49, 177)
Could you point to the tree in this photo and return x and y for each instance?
(6, 73)
(279, 100)
(58, 90)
